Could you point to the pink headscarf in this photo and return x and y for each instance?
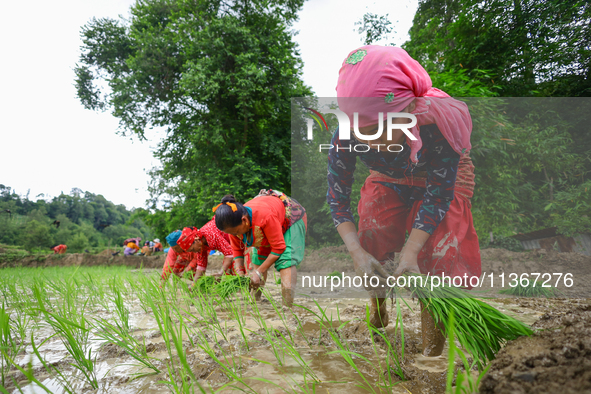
(376, 79)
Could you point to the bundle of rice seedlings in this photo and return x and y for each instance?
(231, 284)
(204, 284)
(530, 290)
(481, 329)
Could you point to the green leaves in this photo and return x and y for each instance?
(522, 43)
(218, 77)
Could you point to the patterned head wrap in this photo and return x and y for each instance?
(376, 79)
(173, 237)
(188, 237)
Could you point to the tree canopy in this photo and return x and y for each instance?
(528, 47)
(217, 77)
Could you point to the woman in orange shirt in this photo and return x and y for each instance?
(273, 223)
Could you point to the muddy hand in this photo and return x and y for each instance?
(366, 265)
(408, 265)
(255, 281)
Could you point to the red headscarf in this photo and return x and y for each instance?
(376, 79)
(188, 237)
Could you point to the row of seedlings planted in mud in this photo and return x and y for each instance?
(60, 303)
(52, 303)
(211, 330)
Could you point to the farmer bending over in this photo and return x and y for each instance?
(209, 238)
(420, 185)
(59, 249)
(273, 223)
(190, 249)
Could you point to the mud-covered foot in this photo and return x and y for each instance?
(257, 294)
(378, 319)
(287, 296)
(433, 338)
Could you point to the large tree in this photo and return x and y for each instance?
(533, 47)
(217, 76)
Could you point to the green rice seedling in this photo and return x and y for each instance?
(51, 369)
(101, 297)
(171, 334)
(300, 328)
(342, 346)
(393, 361)
(228, 365)
(279, 310)
(288, 342)
(211, 317)
(465, 383)
(269, 332)
(21, 319)
(176, 334)
(8, 344)
(186, 386)
(27, 372)
(238, 312)
(74, 336)
(231, 284)
(120, 336)
(12, 294)
(531, 290)
(121, 311)
(140, 291)
(204, 284)
(335, 273)
(481, 329)
(92, 290)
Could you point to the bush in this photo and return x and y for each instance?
(508, 243)
(78, 243)
(37, 235)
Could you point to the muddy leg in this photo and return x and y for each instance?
(378, 313)
(289, 278)
(433, 339)
(258, 292)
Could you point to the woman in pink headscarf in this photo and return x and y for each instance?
(421, 177)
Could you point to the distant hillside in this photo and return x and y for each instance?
(86, 220)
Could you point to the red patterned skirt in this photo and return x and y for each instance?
(384, 219)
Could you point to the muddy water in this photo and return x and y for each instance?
(332, 372)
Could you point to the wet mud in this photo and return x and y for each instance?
(557, 359)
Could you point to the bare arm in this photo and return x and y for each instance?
(365, 264)
(227, 263)
(410, 252)
(256, 281)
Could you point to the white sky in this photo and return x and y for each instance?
(49, 143)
